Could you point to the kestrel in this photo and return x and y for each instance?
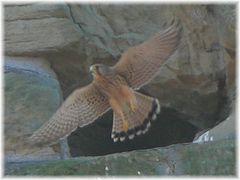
(115, 88)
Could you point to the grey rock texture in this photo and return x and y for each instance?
(196, 87)
(209, 159)
(36, 28)
(32, 94)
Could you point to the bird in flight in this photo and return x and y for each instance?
(115, 88)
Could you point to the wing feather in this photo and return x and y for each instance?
(82, 107)
(139, 64)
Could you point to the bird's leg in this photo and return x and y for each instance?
(125, 122)
(131, 98)
(118, 110)
(133, 104)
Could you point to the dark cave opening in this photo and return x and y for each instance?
(95, 139)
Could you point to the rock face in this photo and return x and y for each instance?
(224, 130)
(32, 94)
(35, 29)
(196, 87)
(175, 160)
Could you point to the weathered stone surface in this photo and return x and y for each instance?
(34, 11)
(32, 94)
(215, 158)
(38, 29)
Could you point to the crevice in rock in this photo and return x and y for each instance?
(34, 18)
(73, 19)
(18, 5)
(100, 41)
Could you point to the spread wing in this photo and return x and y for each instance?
(139, 64)
(82, 107)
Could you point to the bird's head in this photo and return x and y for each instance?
(101, 69)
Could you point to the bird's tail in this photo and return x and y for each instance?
(137, 122)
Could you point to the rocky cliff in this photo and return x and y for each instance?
(49, 47)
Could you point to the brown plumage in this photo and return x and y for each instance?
(114, 87)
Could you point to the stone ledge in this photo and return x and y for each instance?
(213, 158)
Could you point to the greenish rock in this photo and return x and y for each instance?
(31, 97)
(216, 158)
(213, 158)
